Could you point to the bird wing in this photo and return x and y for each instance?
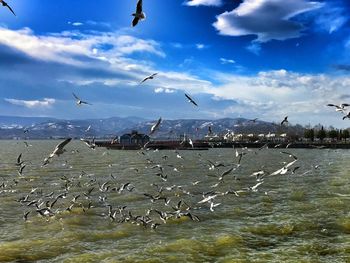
(227, 172)
(155, 126)
(191, 100)
(86, 142)
(139, 7)
(75, 96)
(5, 4)
(331, 105)
(135, 21)
(19, 158)
(85, 102)
(147, 78)
(62, 144)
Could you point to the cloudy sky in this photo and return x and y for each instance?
(251, 58)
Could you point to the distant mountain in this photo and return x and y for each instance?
(44, 128)
(200, 128)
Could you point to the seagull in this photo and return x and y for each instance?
(88, 128)
(79, 101)
(149, 77)
(155, 126)
(191, 100)
(91, 144)
(20, 170)
(212, 206)
(340, 107)
(19, 162)
(6, 5)
(190, 142)
(347, 116)
(284, 169)
(139, 15)
(225, 173)
(59, 149)
(285, 120)
(255, 187)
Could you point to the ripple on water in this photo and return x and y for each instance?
(344, 224)
(38, 249)
(286, 229)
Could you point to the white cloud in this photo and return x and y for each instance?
(331, 17)
(67, 47)
(227, 61)
(270, 95)
(31, 104)
(201, 46)
(204, 2)
(77, 24)
(267, 19)
(161, 90)
(254, 48)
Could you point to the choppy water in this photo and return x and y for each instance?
(300, 218)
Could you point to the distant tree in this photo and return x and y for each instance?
(309, 134)
(346, 135)
(333, 134)
(321, 134)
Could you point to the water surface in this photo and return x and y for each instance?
(301, 217)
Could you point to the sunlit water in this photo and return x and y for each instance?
(301, 217)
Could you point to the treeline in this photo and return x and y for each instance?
(322, 134)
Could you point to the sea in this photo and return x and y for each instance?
(100, 202)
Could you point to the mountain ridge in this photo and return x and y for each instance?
(45, 128)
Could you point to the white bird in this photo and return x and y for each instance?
(284, 169)
(212, 206)
(91, 144)
(59, 149)
(139, 14)
(79, 101)
(155, 126)
(341, 107)
(255, 187)
(149, 77)
(190, 142)
(207, 199)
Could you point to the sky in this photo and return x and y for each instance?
(263, 59)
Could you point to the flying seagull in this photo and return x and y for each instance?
(191, 100)
(6, 5)
(347, 116)
(139, 15)
(285, 120)
(90, 144)
(155, 126)
(59, 149)
(340, 107)
(149, 77)
(79, 101)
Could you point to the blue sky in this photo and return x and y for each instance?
(251, 58)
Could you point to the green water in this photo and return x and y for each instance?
(291, 218)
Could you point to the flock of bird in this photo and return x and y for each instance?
(342, 109)
(171, 195)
